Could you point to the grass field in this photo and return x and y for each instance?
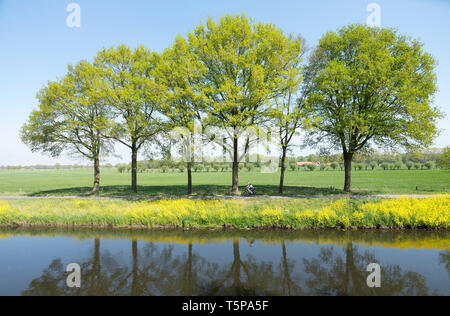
(79, 182)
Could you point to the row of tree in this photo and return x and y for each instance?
(371, 166)
(56, 166)
(433, 157)
(164, 166)
(157, 270)
(434, 154)
(360, 87)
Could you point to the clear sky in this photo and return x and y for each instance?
(36, 45)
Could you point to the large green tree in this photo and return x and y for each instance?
(245, 63)
(371, 86)
(287, 109)
(444, 159)
(133, 96)
(180, 72)
(72, 117)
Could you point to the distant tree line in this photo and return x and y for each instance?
(52, 167)
(425, 160)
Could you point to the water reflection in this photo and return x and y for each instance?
(444, 259)
(244, 265)
(343, 273)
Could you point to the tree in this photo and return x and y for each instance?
(249, 166)
(287, 108)
(180, 73)
(225, 167)
(371, 86)
(72, 117)
(121, 168)
(444, 160)
(244, 64)
(311, 167)
(293, 166)
(134, 97)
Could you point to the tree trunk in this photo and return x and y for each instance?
(95, 277)
(237, 286)
(134, 168)
(349, 266)
(235, 186)
(287, 277)
(134, 282)
(283, 169)
(189, 175)
(188, 274)
(96, 187)
(348, 157)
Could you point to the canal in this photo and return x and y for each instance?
(125, 262)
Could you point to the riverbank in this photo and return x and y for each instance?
(217, 197)
(417, 239)
(326, 213)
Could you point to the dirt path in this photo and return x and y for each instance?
(384, 196)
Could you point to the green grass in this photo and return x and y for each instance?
(79, 182)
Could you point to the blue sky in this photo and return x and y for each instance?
(36, 45)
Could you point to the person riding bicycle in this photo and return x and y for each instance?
(250, 189)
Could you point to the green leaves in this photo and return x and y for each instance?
(128, 86)
(244, 64)
(180, 72)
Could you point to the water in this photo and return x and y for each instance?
(33, 262)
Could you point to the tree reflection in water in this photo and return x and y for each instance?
(344, 273)
(157, 270)
(444, 259)
(101, 275)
